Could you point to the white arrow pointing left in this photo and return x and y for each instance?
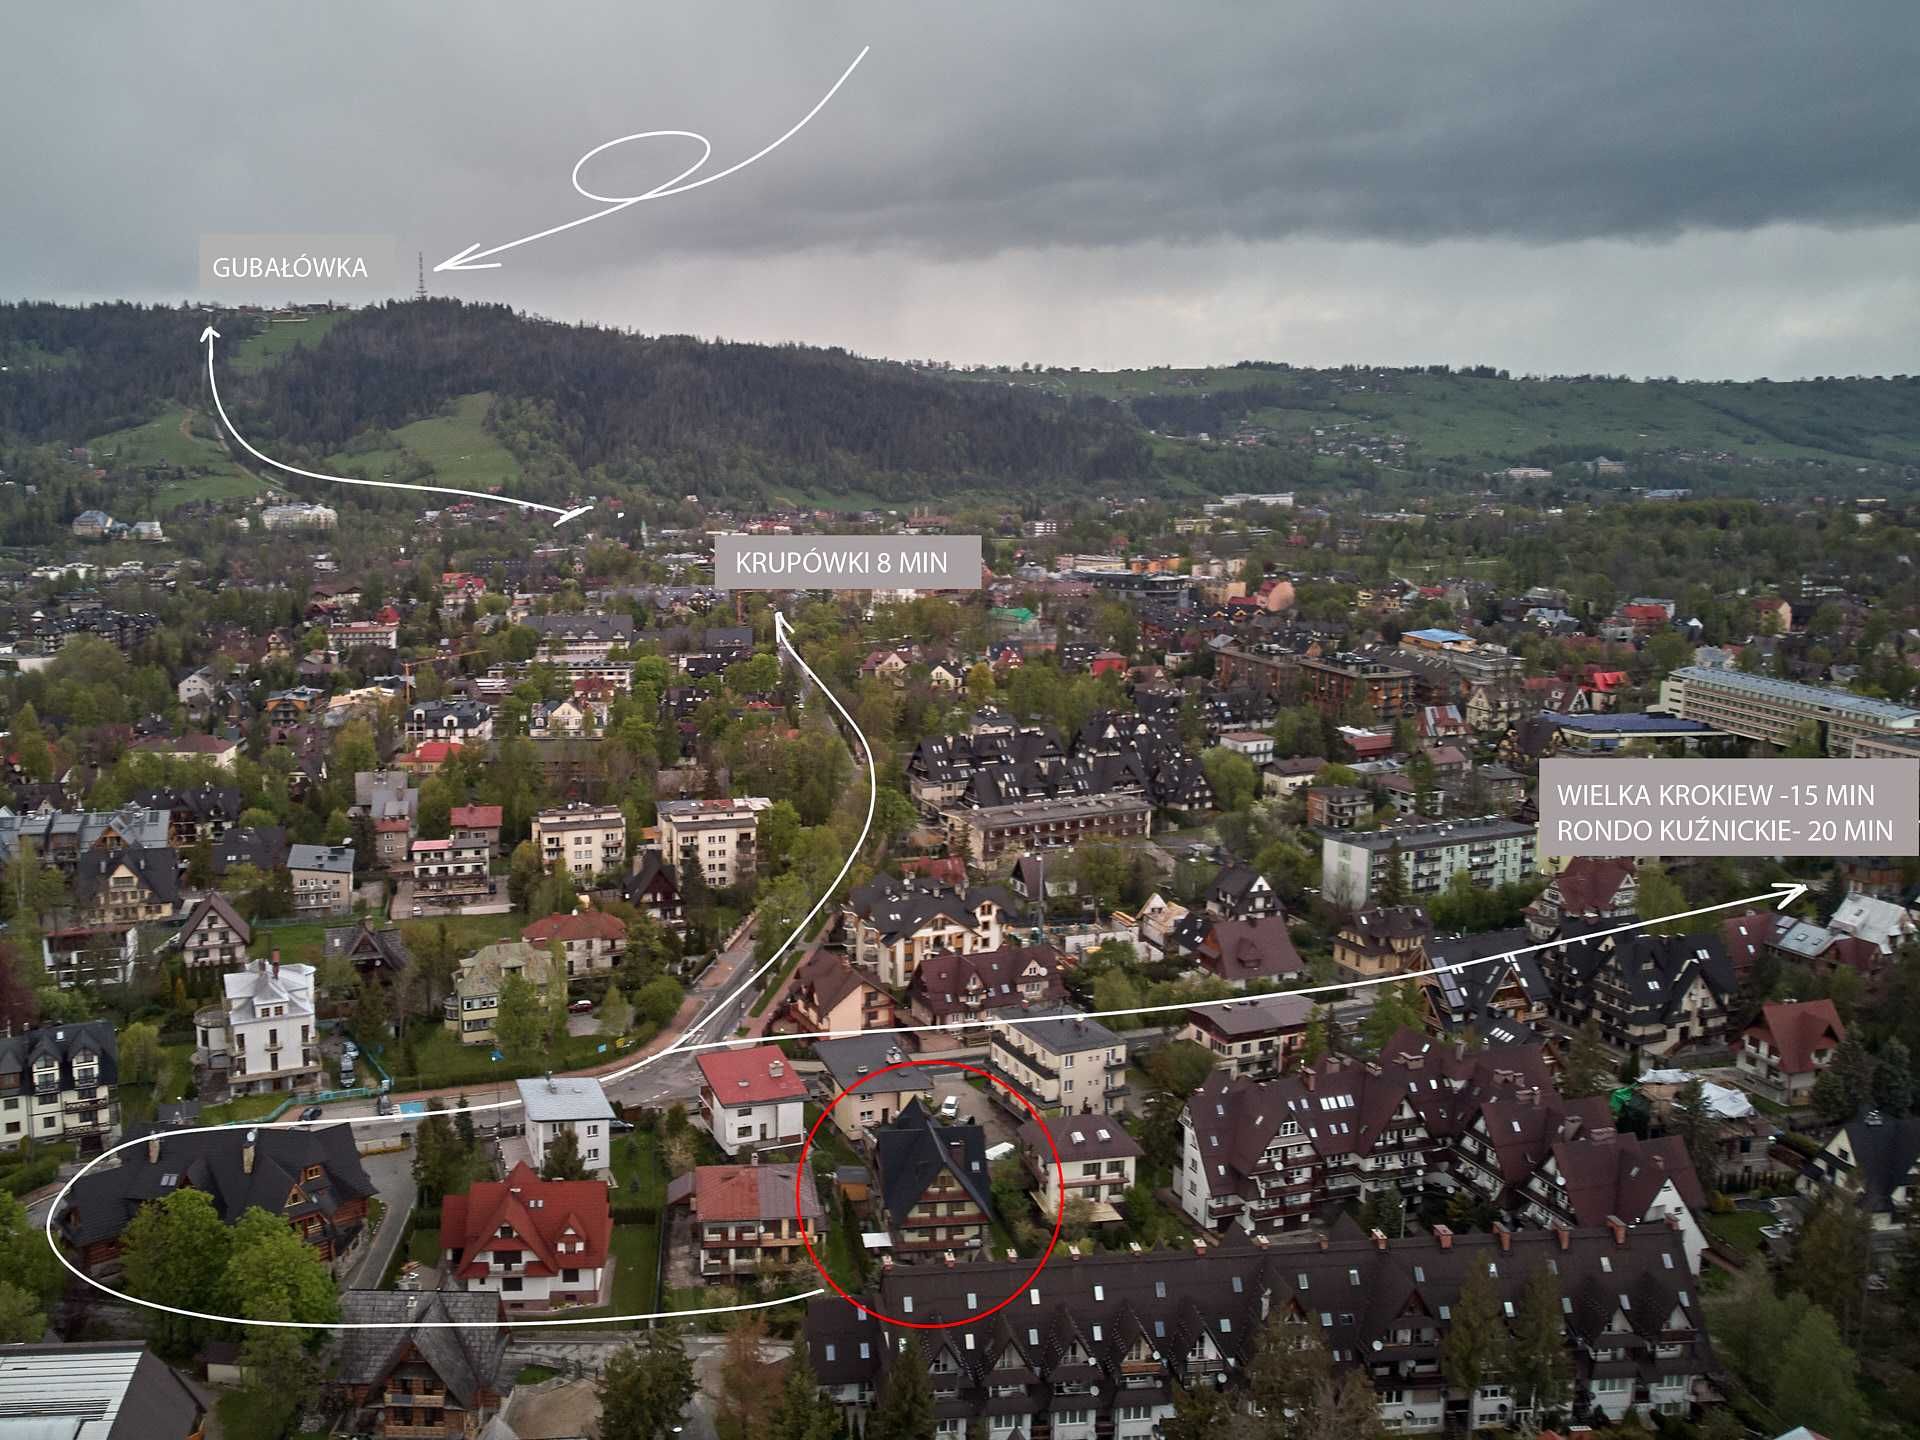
(209, 335)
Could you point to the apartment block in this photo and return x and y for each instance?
(1763, 708)
(589, 840)
(715, 839)
(1493, 851)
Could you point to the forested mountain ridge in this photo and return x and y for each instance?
(474, 394)
(584, 406)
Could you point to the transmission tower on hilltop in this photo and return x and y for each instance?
(420, 285)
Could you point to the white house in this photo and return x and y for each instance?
(566, 1103)
(264, 1036)
(752, 1098)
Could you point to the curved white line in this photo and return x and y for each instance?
(474, 257)
(241, 440)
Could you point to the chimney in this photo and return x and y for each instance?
(1322, 1237)
(1619, 1229)
(1562, 1236)
(886, 1262)
(246, 1154)
(1133, 1247)
(276, 964)
(1199, 1246)
(1673, 1221)
(1306, 1077)
(1373, 1067)
(1379, 1238)
(948, 1257)
(1263, 1241)
(1503, 1235)
(1444, 1236)
(153, 1149)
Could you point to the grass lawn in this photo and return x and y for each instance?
(1738, 1231)
(636, 1254)
(241, 1107)
(257, 352)
(534, 1374)
(638, 1166)
(304, 942)
(456, 444)
(169, 440)
(424, 1245)
(443, 1061)
(250, 1414)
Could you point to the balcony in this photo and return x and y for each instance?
(416, 1398)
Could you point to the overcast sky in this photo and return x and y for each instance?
(1703, 189)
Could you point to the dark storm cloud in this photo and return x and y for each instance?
(969, 130)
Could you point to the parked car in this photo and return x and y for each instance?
(580, 1007)
(313, 1112)
(950, 1108)
(621, 1127)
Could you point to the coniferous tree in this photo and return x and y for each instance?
(1475, 1336)
(904, 1410)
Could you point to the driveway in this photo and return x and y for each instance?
(976, 1105)
(392, 1176)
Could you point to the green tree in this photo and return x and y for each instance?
(521, 1022)
(1536, 1365)
(1113, 989)
(616, 1014)
(272, 1274)
(659, 1000)
(1588, 1069)
(1476, 1335)
(1659, 895)
(1234, 780)
(1693, 1121)
(140, 1053)
(562, 1160)
(1102, 869)
(1392, 887)
(779, 828)
(904, 1409)
(23, 1319)
(645, 1389)
(1396, 1007)
(803, 1412)
(1831, 1259)
(1845, 1087)
(370, 1013)
(1315, 1048)
(1200, 1412)
(25, 1257)
(1893, 1078)
(174, 1252)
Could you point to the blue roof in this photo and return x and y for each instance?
(1631, 722)
(1440, 637)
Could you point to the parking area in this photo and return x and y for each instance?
(977, 1105)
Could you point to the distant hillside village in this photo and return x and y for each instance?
(440, 823)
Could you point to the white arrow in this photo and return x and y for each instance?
(783, 637)
(209, 335)
(474, 258)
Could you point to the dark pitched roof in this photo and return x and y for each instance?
(468, 1360)
(360, 942)
(102, 1202)
(157, 866)
(947, 978)
(216, 906)
(262, 846)
(912, 1151)
(61, 1043)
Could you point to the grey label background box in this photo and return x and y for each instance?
(376, 251)
(1827, 807)
(846, 562)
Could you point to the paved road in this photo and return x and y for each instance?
(392, 1176)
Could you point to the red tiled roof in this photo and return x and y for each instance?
(751, 1077)
(474, 817)
(750, 1192)
(1798, 1028)
(568, 1210)
(581, 925)
(433, 752)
